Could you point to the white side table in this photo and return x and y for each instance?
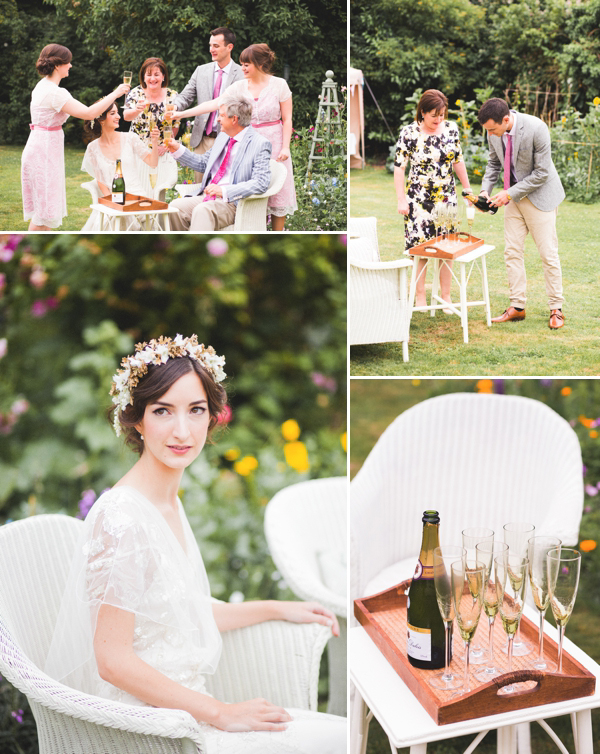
(407, 724)
(466, 264)
(113, 217)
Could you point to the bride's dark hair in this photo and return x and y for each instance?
(153, 385)
(92, 129)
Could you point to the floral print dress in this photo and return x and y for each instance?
(431, 178)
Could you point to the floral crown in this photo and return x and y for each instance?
(134, 367)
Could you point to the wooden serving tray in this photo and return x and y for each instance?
(446, 248)
(384, 617)
(134, 203)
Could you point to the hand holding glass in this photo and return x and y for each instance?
(127, 77)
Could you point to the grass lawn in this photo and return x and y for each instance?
(11, 208)
(374, 404)
(515, 348)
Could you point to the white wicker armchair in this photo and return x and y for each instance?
(305, 527)
(251, 213)
(364, 227)
(480, 460)
(277, 660)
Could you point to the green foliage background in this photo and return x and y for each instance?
(107, 36)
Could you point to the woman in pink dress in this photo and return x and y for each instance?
(272, 114)
(43, 159)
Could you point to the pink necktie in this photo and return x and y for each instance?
(221, 171)
(217, 91)
(507, 161)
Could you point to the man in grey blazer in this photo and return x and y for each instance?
(519, 152)
(237, 165)
(206, 83)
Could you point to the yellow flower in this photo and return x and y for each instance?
(458, 102)
(596, 101)
(290, 430)
(564, 120)
(415, 383)
(587, 545)
(232, 454)
(296, 456)
(575, 154)
(566, 391)
(477, 172)
(344, 441)
(245, 465)
(593, 434)
(484, 386)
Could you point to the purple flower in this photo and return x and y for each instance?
(18, 715)
(587, 509)
(14, 240)
(52, 302)
(6, 254)
(499, 386)
(591, 490)
(584, 469)
(216, 247)
(39, 309)
(327, 383)
(2, 281)
(20, 406)
(343, 239)
(88, 498)
(546, 383)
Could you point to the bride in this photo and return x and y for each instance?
(137, 624)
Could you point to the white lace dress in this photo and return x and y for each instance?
(102, 168)
(43, 159)
(131, 559)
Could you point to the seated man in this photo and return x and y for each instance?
(237, 165)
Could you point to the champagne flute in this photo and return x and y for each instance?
(511, 580)
(538, 548)
(516, 536)
(169, 108)
(443, 557)
(152, 175)
(458, 222)
(452, 218)
(467, 596)
(167, 135)
(486, 553)
(564, 566)
(470, 539)
(127, 77)
(436, 217)
(470, 216)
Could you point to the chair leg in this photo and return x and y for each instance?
(359, 724)
(507, 740)
(523, 738)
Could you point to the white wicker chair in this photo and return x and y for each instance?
(364, 227)
(480, 460)
(305, 527)
(251, 213)
(277, 660)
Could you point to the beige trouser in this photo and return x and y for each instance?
(196, 214)
(206, 143)
(521, 218)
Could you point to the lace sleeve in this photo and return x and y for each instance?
(138, 147)
(58, 97)
(284, 90)
(90, 161)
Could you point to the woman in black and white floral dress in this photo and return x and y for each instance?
(431, 144)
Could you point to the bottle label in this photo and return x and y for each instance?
(117, 197)
(423, 572)
(418, 643)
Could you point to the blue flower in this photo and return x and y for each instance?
(316, 202)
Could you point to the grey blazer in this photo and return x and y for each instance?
(536, 175)
(251, 172)
(200, 88)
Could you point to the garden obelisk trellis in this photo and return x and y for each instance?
(328, 140)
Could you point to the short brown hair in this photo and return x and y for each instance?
(228, 35)
(493, 109)
(261, 55)
(157, 382)
(154, 63)
(51, 57)
(432, 101)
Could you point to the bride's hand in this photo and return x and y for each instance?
(255, 714)
(308, 612)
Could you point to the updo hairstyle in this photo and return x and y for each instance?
(51, 57)
(92, 129)
(156, 383)
(261, 55)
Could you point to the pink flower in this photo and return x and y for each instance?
(3, 347)
(327, 383)
(226, 415)
(38, 277)
(52, 302)
(2, 281)
(591, 490)
(343, 239)
(39, 309)
(20, 406)
(216, 247)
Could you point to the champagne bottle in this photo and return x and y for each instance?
(480, 202)
(426, 641)
(118, 185)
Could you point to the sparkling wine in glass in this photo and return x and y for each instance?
(516, 535)
(470, 216)
(169, 108)
(127, 77)
(467, 596)
(470, 539)
(167, 135)
(486, 553)
(436, 217)
(538, 549)
(443, 558)
(511, 580)
(564, 566)
(152, 176)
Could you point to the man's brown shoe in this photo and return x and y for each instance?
(557, 319)
(510, 315)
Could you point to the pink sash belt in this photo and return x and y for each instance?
(43, 128)
(264, 125)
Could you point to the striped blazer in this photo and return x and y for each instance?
(251, 173)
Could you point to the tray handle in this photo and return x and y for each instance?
(520, 676)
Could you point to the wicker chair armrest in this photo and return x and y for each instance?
(395, 264)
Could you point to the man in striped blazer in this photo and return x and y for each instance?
(237, 165)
